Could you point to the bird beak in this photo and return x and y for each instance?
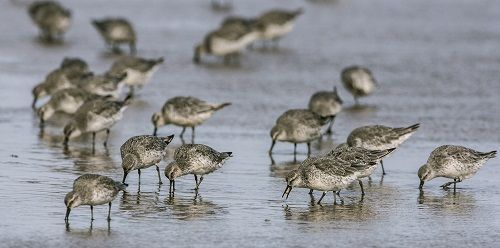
(169, 139)
(289, 189)
(421, 184)
(68, 210)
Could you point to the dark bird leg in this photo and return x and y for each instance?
(334, 198)
(154, 131)
(272, 146)
(170, 192)
(308, 149)
(192, 134)
(139, 172)
(294, 148)
(109, 212)
(196, 182)
(382, 164)
(107, 137)
(182, 133)
(311, 191)
(329, 130)
(93, 142)
(159, 177)
(91, 212)
(361, 185)
(66, 218)
(323, 195)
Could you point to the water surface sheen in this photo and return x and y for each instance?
(436, 64)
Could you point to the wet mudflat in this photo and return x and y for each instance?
(435, 62)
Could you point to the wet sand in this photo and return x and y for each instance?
(436, 64)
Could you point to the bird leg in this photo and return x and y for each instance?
(323, 195)
(196, 182)
(308, 149)
(329, 130)
(91, 212)
(192, 134)
(455, 181)
(382, 164)
(361, 185)
(93, 141)
(159, 178)
(109, 212)
(294, 149)
(139, 172)
(311, 191)
(182, 133)
(107, 137)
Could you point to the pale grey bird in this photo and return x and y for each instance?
(454, 162)
(95, 116)
(92, 190)
(378, 137)
(222, 4)
(359, 155)
(274, 24)
(67, 101)
(185, 111)
(226, 42)
(139, 70)
(51, 18)
(104, 85)
(116, 31)
(196, 159)
(66, 76)
(325, 174)
(359, 81)
(298, 126)
(326, 103)
(144, 151)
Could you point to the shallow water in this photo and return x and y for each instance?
(435, 61)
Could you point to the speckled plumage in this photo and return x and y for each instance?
(325, 173)
(140, 152)
(297, 126)
(52, 19)
(226, 41)
(274, 24)
(115, 31)
(95, 116)
(196, 159)
(66, 100)
(185, 111)
(359, 81)
(67, 76)
(92, 189)
(139, 70)
(454, 162)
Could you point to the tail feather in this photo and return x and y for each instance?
(406, 130)
(488, 155)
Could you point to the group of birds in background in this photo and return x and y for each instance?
(95, 105)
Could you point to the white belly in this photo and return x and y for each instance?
(277, 31)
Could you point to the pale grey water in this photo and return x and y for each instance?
(437, 63)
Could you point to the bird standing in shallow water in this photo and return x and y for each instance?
(326, 104)
(196, 159)
(116, 31)
(359, 155)
(185, 111)
(139, 70)
(325, 174)
(92, 189)
(454, 162)
(140, 152)
(378, 137)
(95, 116)
(359, 81)
(298, 126)
(66, 100)
(52, 19)
(66, 76)
(274, 24)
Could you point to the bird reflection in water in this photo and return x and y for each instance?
(351, 210)
(86, 159)
(448, 202)
(193, 208)
(281, 169)
(141, 204)
(90, 232)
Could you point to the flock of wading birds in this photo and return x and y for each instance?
(92, 100)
